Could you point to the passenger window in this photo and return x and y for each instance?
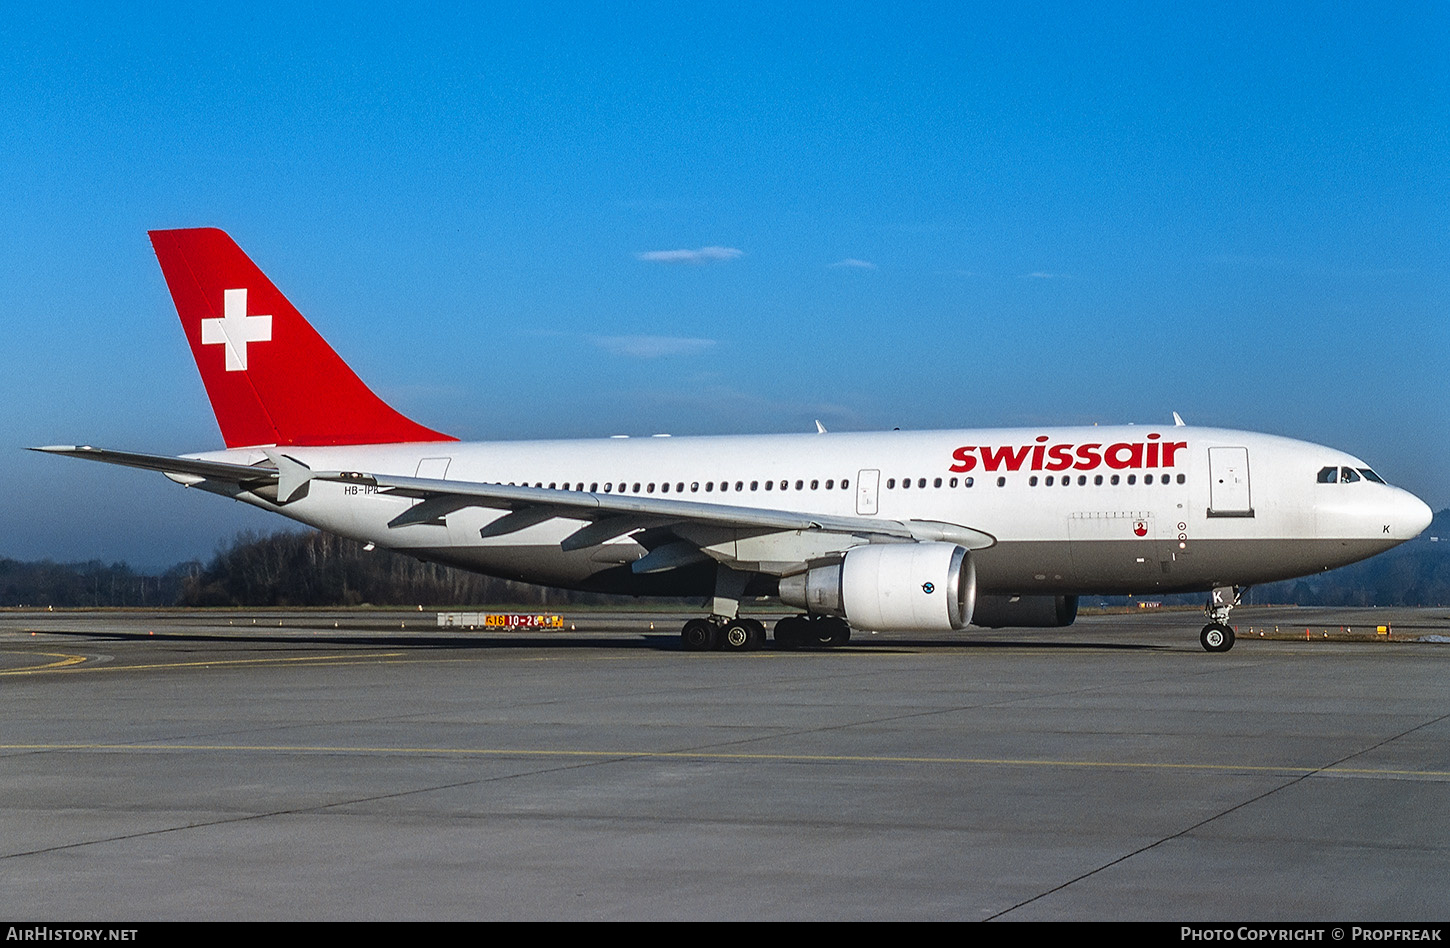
(694, 486)
(1032, 481)
(936, 483)
(968, 481)
(755, 485)
(1001, 482)
(1097, 480)
(845, 485)
(739, 485)
(890, 483)
(815, 485)
(906, 483)
(952, 482)
(800, 485)
(1115, 480)
(1182, 478)
(709, 486)
(665, 488)
(1050, 480)
(831, 483)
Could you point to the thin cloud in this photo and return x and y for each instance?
(853, 263)
(651, 347)
(702, 255)
(1044, 275)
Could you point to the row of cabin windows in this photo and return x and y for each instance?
(936, 482)
(694, 487)
(1112, 480)
(679, 487)
(1065, 480)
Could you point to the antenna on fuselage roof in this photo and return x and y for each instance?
(1177, 421)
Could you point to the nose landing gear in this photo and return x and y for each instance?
(1218, 635)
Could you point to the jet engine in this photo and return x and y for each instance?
(891, 587)
(1045, 612)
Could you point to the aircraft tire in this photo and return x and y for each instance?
(742, 635)
(700, 635)
(1216, 637)
(790, 633)
(829, 632)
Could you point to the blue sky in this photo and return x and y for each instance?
(945, 216)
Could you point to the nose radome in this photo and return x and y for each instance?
(1412, 515)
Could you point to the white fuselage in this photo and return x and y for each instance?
(1102, 510)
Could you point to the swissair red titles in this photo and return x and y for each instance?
(1121, 456)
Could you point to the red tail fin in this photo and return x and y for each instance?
(271, 378)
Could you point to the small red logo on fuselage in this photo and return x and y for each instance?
(1120, 456)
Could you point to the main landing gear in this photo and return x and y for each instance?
(1218, 635)
(725, 628)
(795, 632)
(748, 635)
(717, 632)
(728, 631)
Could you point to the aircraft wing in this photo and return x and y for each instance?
(609, 515)
(631, 512)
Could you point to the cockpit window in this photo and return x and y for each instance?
(1348, 475)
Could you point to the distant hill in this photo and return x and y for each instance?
(87, 584)
(1416, 573)
(319, 569)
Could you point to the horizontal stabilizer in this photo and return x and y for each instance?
(210, 470)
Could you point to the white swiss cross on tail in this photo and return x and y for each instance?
(235, 329)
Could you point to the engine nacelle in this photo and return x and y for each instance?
(1046, 612)
(891, 587)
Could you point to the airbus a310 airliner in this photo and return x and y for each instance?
(931, 530)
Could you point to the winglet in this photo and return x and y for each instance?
(1178, 422)
(292, 477)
